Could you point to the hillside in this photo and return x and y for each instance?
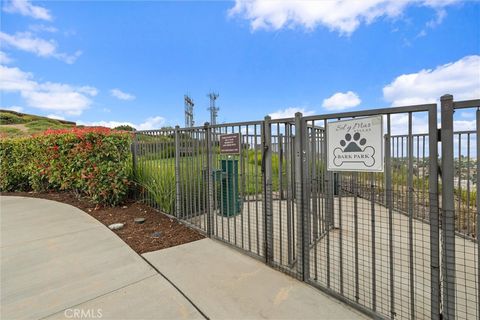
(17, 124)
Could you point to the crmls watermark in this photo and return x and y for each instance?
(83, 313)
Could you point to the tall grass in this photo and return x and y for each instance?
(157, 184)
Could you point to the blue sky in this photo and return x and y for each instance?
(110, 62)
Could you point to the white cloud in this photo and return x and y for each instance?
(42, 28)
(28, 42)
(26, 8)
(63, 98)
(55, 116)
(465, 125)
(460, 78)
(149, 124)
(337, 15)
(440, 16)
(58, 97)
(119, 94)
(14, 79)
(399, 124)
(13, 108)
(4, 58)
(341, 101)
(289, 113)
(433, 23)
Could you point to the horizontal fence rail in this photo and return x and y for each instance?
(397, 244)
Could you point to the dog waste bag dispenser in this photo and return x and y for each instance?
(230, 202)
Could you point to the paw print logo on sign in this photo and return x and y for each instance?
(353, 149)
(353, 146)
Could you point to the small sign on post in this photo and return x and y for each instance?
(355, 145)
(230, 143)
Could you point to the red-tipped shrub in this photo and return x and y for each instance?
(94, 162)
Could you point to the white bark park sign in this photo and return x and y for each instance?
(355, 145)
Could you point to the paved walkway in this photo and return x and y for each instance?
(227, 284)
(57, 262)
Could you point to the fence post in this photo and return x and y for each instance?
(178, 199)
(209, 178)
(434, 213)
(477, 127)
(267, 188)
(389, 202)
(448, 208)
(305, 213)
(133, 149)
(302, 235)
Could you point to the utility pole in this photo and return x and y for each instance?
(189, 122)
(213, 109)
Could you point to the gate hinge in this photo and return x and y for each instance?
(439, 135)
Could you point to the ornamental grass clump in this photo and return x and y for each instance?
(94, 162)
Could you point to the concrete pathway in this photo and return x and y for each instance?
(58, 262)
(226, 284)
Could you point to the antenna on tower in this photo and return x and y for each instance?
(213, 109)
(189, 122)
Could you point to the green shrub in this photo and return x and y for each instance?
(15, 164)
(9, 132)
(10, 118)
(44, 124)
(94, 162)
(124, 127)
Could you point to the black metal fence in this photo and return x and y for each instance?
(399, 244)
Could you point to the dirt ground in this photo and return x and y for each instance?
(19, 126)
(138, 236)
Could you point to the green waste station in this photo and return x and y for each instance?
(227, 181)
(227, 177)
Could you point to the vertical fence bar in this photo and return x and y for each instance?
(267, 188)
(289, 162)
(410, 216)
(178, 200)
(434, 213)
(299, 201)
(257, 228)
(478, 209)
(314, 179)
(388, 195)
(328, 202)
(279, 151)
(133, 148)
(340, 225)
(448, 209)
(247, 193)
(209, 178)
(355, 235)
(372, 225)
(305, 214)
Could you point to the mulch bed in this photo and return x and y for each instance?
(137, 236)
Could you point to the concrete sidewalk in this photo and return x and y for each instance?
(226, 284)
(58, 262)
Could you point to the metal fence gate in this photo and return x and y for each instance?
(372, 253)
(400, 244)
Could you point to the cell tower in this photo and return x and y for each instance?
(213, 109)
(189, 122)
